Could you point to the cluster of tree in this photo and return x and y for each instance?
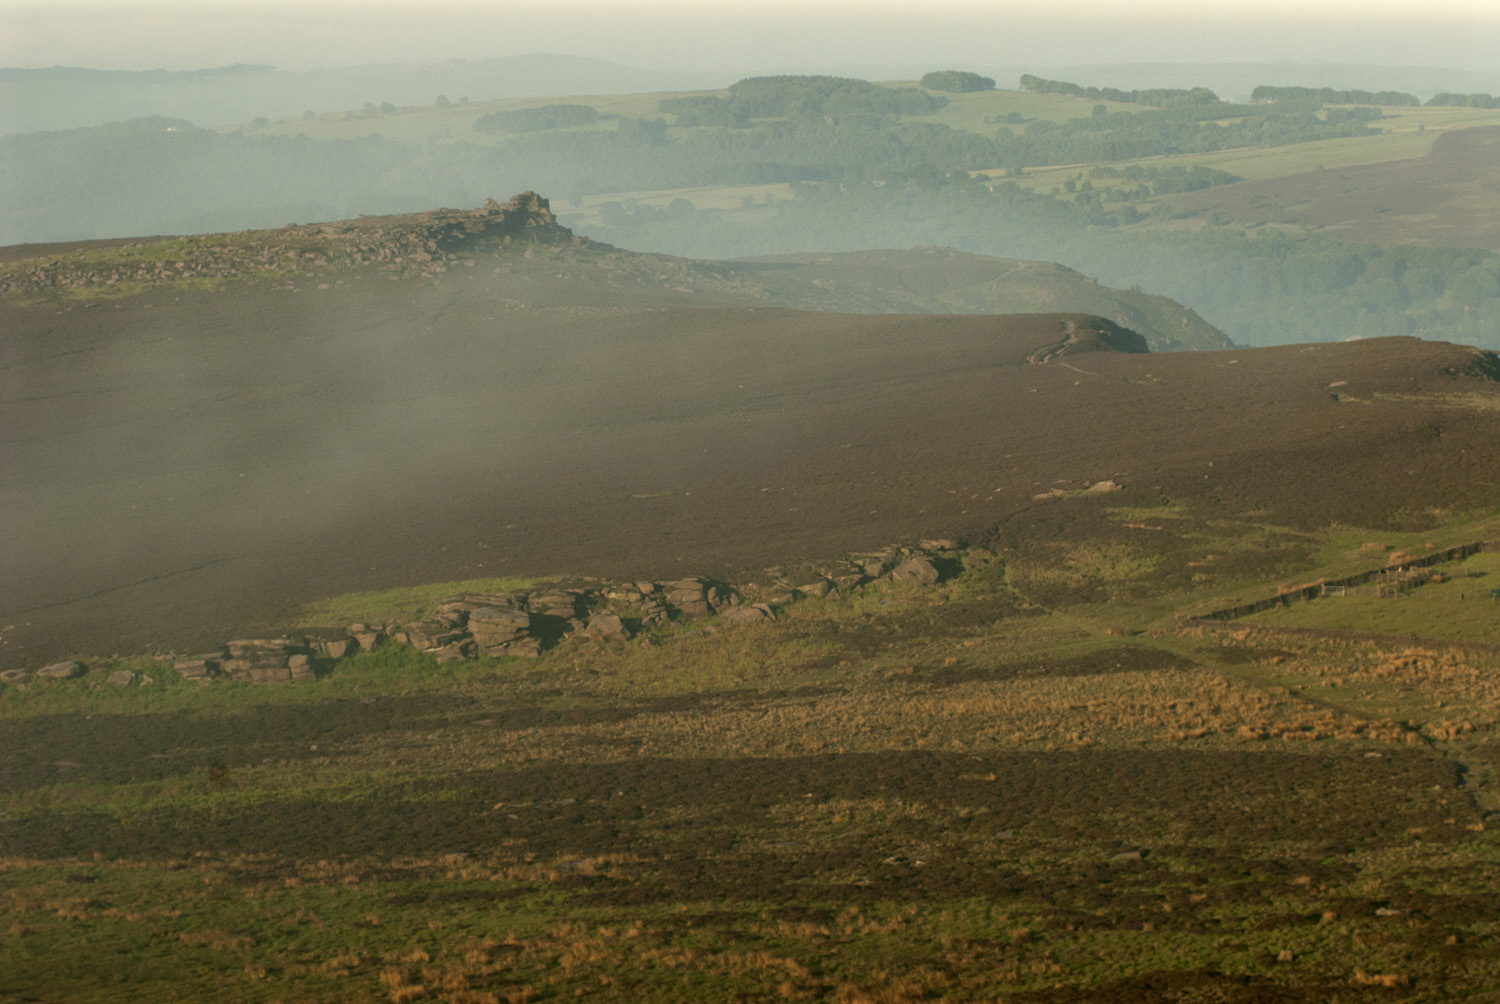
(1329, 96)
(799, 97)
(695, 110)
(1157, 97)
(956, 81)
(521, 120)
(863, 142)
(1464, 100)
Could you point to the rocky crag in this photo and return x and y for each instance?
(473, 625)
(411, 245)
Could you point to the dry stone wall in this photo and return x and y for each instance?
(1399, 562)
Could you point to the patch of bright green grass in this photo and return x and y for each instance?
(1458, 608)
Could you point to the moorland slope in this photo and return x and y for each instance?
(195, 452)
(1025, 771)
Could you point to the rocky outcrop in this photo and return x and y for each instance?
(413, 245)
(526, 623)
(471, 625)
(268, 660)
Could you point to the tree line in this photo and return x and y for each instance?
(1389, 99)
(1160, 97)
(798, 97)
(1329, 96)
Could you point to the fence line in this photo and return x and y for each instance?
(1360, 578)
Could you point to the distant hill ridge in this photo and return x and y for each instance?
(532, 258)
(410, 244)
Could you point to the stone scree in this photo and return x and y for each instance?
(471, 625)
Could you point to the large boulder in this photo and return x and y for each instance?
(61, 670)
(268, 660)
(493, 628)
(366, 637)
(201, 667)
(607, 627)
(433, 633)
(457, 650)
(695, 597)
(561, 603)
(918, 569)
(747, 613)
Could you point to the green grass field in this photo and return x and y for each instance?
(1460, 607)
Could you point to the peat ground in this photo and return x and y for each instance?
(185, 466)
(1029, 782)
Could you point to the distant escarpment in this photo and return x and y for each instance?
(522, 257)
(410, 245)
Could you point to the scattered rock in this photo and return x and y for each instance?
(120, 678)
(61, 670)
(520, 624)
(12, 675)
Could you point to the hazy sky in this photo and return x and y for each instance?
(189, 34)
